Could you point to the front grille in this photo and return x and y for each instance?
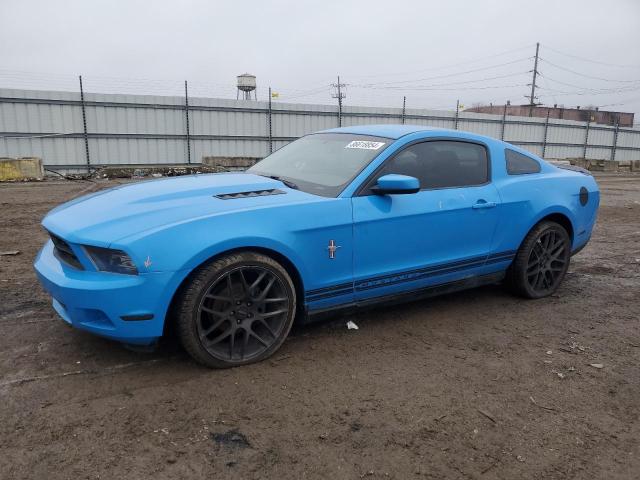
(64, 253)
(254, 193)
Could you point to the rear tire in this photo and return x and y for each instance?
(541, 261)
(236, 310)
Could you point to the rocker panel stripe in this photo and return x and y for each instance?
(407, 276)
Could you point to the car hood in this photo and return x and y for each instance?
(104, 217)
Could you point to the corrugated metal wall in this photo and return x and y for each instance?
(147, 129)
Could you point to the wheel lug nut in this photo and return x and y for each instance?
(232, 312)
(238, 302)
(248, 304)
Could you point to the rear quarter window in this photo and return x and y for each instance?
(519, 164)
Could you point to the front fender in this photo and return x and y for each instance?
(185, 246)
(247, 243)
(300, 233)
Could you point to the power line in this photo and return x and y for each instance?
(591, 92)
(449, 75)
(309, 93)
(544, 81)
(444, 67)
(448, 83)
(629, 100)
(589, 89)
(427, 88)
(587, 76)
(589, 60)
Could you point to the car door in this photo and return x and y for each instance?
(439, 235)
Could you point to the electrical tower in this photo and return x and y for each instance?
(339, 95)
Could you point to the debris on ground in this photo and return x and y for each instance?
(232, 438)
(574, 345)
(533, 400)
(9, 252)
(596, 365)
(351, 325)
(487, 414)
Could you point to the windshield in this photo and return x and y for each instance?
(322, 163)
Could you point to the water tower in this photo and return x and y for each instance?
(246, 85)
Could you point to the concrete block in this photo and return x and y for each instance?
(28, 168)
(635, 165)
(624, 165)
(234, 163)
(609, 166)
(579, 162)
(140, 171)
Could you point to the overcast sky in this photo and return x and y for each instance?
(434, 52)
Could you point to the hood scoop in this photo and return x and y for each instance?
(253, 193)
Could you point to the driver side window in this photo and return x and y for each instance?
(440, 164)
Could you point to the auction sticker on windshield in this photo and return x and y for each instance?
(365, 145)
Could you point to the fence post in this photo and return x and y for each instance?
(84, 126)
(269, 124)
(546, 130)
(186, 115)
(504, 121)
(586, 137)
(404, 108)
(455, 124)
(615, 139)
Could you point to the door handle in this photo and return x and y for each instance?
(483, 204)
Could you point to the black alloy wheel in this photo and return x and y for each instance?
(541, 262)
(547, 261)
(237, 310)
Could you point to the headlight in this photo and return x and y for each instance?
(110, 260)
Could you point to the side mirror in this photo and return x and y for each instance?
(396, 184)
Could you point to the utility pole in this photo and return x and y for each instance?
(84, 126)
(186, 115)
(269, 125)
(340, 95)
(404, 108)
(532, 97)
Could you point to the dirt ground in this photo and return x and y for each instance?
(473, 385)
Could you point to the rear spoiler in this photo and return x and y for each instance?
(574, 168)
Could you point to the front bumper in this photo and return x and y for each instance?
(97, 301)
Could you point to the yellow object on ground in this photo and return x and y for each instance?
(21, 169)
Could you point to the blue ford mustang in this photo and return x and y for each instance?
(343, 218)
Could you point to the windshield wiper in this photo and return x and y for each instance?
(288, 183)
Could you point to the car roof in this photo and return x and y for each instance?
(393, 131)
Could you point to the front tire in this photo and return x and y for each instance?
(541, 262)
(236, 310)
